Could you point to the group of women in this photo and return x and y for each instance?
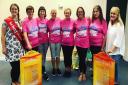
(84, 33)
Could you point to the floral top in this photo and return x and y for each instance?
(13, 45)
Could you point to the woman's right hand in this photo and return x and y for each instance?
(29, 47)
(4, 50)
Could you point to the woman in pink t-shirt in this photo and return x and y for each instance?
(98, 30)
(30, 30)
(82, 40)
(67, 42)
(43, 37)
(54, 41)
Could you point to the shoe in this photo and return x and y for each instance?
(45, 76)
(69, 74)
(13, 83)
(65, 74)
(84, 77)
(53, 72)
(58, 72)
(17, 83)
(80, 78)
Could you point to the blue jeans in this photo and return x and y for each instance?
(43, 50)
(117, 61)
(55, 49)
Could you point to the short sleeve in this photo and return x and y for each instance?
(24, 27)
(4, 25)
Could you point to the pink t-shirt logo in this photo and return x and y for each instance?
(93, 31)
(42, 28)
(55, 30)
(82, 31)
(33, 31)
(66, 32)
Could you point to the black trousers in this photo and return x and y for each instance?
(82, 58)
(36, 48)
(94, 50)
(67, 52)
(15, 71)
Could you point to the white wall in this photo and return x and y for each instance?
(50, 4)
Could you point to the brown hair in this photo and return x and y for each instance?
(14, 4)
(82, 9)
(101, 14)
(29, 8)
(41, 8)
(67, 9)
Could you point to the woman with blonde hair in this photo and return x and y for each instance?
(67, 42)
(115, 44)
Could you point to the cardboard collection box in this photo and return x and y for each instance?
(103, 69)
(31, 68)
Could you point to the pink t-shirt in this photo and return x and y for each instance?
(30, 26)
(54, 30)
(67, 32)
(43, 30)
(82, 33)
(98, 31)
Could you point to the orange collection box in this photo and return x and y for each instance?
(31, 68)
(104, 69)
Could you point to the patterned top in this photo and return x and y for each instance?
(14, 47)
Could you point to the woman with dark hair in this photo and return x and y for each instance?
(43, 37)
(82, 40)
(11, 42)
(98, 29)
(30, 30)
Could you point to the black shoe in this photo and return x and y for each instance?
(45, 76)
(58, 72)
(69, 74)
(53, 72)
(65, 74)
